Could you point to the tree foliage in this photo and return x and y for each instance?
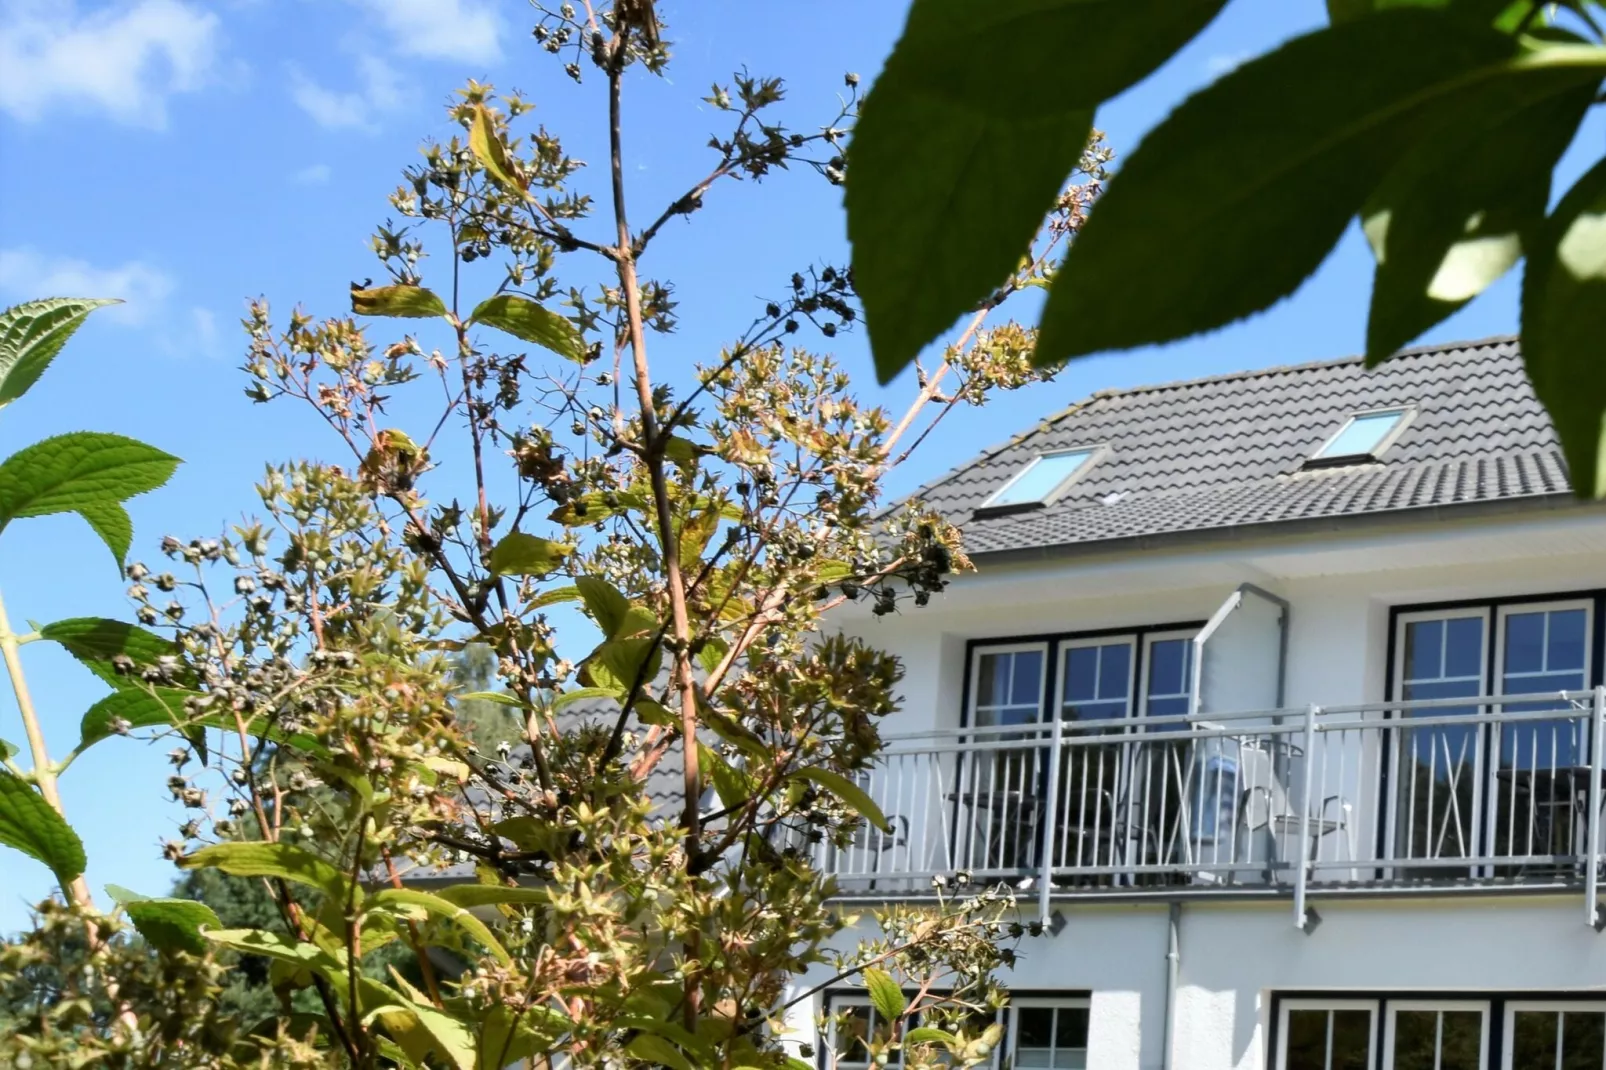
(423, 704)
(1436, 123)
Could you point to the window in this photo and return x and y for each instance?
(1039, 1032)
(1008, 687)
(1555, 1036)
(1096, 679)
(1168, 686)
(1508, 790)
(1436, 1036)
(1327, 1034)
(1363, 437)
(1043, 479)
(1049, 1034)
(1444, 1033)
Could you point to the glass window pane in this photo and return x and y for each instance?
(852, 1031)
(1362, 434)
(1307, 1040)
(1036, 1027)
(1533, 1040)
(1424, 649)
(991, 670)
(1463, 647)
(1462, 1042)
(1416, 1035)
(1583, 1040)
(1028, 687)
(1115, 671)
(1167, 666)
(1070, 1029)
(1352, 1040)
(1042, 478)
(1525, 642)
(1081, 673)
(1566, 649)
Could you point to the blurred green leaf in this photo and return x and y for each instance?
(1564, 325)
(32, 333)
(255, 859)
(1451, 218)
(168, 924)
(526, 320)
(407, 900)
(967, 138)
(33, 827)
(85, 472)
(1236, 197)
(518, 554)
(408, 302)
(849, 792)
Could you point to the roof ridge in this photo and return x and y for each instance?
(1284, 369)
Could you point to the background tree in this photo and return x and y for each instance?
(1437, 122)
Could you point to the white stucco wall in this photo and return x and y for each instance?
(1234, 956)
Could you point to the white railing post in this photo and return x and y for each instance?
(1045, 864)
(1597, 729)
(1301, 874)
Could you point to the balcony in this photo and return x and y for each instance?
(1472, 794)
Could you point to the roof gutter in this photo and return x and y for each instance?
(1314, 526)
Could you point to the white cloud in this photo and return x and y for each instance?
(380, 92)
(466, 30)
(312, 175)
(26, 274)
(125, 61)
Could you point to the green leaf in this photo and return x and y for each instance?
(32, 333)
(603, 601)
(619, 664)
(1237, 196)
(555, 596)
(168, 924)
(1504, 14)
(584, 694)
(85, 472)
(271, 945)
(1563, 324)
(967, 138)
(655, 1049)
(927, 1034)
(97, 642)
(140, 708)
(500, 698)
(408, 302)
(507, 1036)
(518, 554)
(452, 1038)
(1452, 217)
(732, 785)
(272, 860)
(7, 749)
(488, 149)
(486, 895)
(33, 827)
(526, 320)
(848, 792)
(885, 995)
(391, 898)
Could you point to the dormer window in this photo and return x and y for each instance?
(1363, 438)
(1044, 479)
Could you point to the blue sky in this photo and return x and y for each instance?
(187, 156)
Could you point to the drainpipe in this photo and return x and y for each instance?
(1173, 965)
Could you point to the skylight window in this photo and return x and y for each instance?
(1040, 482)
(1363, 437)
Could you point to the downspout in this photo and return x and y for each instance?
(1173, 966)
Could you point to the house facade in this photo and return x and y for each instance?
(1278, 697)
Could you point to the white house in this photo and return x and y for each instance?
(1234, 695)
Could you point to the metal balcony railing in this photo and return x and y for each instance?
(1470, 793)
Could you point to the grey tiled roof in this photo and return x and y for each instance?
(1210, 456)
